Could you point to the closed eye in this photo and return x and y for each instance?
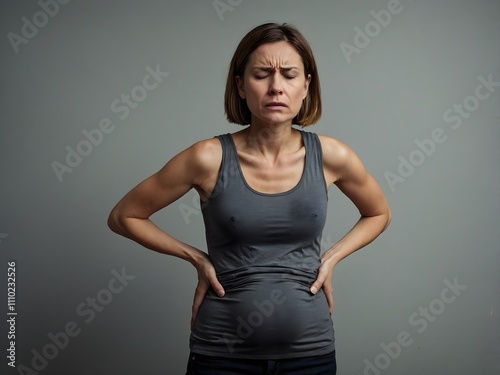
(265, 76)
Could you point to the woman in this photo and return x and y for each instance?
(264, 298)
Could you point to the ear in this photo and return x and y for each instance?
(241, 86)
(306, 86)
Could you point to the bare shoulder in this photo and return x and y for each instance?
(349, 174)
(206, 153)
(335, 152)
(339, 160)
(192, 164)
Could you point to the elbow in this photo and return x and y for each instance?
(114, 222)
(388, 218)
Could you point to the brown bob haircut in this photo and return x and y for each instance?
(236, 108)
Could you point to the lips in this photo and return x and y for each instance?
(276, 104)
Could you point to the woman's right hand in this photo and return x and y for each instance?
(206, 278)
(196, 167)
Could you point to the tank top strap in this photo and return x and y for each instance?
(227, 149)
(314, 159)
(229, 166)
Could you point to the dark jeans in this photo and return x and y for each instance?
(207, 365)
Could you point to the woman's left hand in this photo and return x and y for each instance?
(324, 280)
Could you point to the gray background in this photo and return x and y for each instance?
(393, 92)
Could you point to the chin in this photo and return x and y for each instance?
(275, 119)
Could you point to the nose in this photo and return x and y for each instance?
(275, 86)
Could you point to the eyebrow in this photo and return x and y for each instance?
(270, 68)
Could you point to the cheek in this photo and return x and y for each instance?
(300, 89)
(255, 93)
(297, 97)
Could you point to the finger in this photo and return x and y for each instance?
(329, 296)
(216, 285)
(318, 283)
(193, 318)
(199, 295)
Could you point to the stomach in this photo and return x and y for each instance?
(264, 316)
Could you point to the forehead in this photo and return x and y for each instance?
(276, 54)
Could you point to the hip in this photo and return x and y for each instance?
(265, 318)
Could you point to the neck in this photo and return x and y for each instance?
(270, 139)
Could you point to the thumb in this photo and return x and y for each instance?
(318, 283)
(217, 286)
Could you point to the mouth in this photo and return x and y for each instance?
(276, 104)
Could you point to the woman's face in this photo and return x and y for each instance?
(274, 84)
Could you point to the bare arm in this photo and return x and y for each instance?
(195, 167)
(130, 216)
(344, 168)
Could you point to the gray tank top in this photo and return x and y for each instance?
(266, 251)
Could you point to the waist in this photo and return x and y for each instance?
(263, 314)
(272, 274)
